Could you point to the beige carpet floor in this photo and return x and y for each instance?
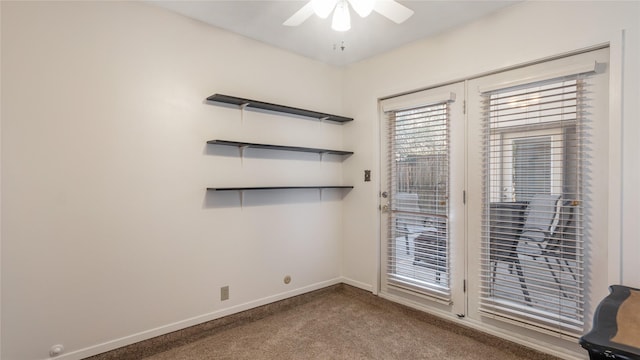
(347, 324)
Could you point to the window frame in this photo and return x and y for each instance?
(507, 170)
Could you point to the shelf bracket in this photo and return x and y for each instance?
(241, 198)
(242, 148)
(325, 118)
(242, 107)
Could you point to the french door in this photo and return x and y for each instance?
(500, 214)
(422, 206)
(538, 196)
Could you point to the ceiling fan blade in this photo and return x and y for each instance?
(362, 7)
(392, 10)
(300, 16)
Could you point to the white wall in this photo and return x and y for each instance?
(108, 233)
(517, 35)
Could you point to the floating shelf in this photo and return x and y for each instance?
(278, 108)
(278, 188)
(278, 147)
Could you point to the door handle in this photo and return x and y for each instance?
(384, 208)
(384, 194)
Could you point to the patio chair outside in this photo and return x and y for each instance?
(409, 221)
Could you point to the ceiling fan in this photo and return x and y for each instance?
(341, 19)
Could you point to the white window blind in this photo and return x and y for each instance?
(418, 244)
(533, 238)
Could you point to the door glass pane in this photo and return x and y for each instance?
(532, 167)
(534, 268)
(419, 165)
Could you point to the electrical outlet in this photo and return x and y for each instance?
(224, 293)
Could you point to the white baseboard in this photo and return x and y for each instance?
(162, 330)
(183, 324)
(358, 284)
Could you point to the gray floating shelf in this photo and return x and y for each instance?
(233, 100)
(278, 147)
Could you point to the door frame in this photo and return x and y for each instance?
(615, 43)
(457, 211)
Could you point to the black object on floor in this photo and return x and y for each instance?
(616, 326)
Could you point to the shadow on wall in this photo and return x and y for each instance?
(271, 154)
(253, 198)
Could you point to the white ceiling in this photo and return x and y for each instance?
(262, 20)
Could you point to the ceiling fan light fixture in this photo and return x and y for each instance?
(363, 7)
(341, 18)
(323, 8)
